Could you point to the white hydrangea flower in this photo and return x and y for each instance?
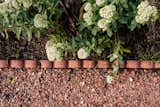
(100, 2)
(103, 23)
(142, 19)
(143, 5)
(107, 11)
(88, 17)
(10, 5)
(146, 12)
(40, 21)
(49, 43)
(88, 6)
(27, 3)
(5, 6)
(15, 4)
(52, 51)
(82, 53)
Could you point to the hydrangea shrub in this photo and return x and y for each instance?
(109, 15)
(28, 17)
(106, 18)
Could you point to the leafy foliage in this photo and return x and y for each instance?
(28, 17)
(107, 18)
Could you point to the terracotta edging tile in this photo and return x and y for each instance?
(61, 64)
(157, 65)
(146, 64)
(74, 64)
(4, 64)
(46, 64)
(16, 64)
(133, 64)
(88, 64)
(32, 64)
(103, 64)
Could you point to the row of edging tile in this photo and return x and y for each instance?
(75, 64)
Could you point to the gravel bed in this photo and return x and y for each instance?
(78, 88)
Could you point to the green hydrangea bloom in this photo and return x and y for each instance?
(146, 12)
(27, 3)
(15, 4)
(88, 6)
(103, 24)
(3, 8)
(52, 50)
(88, 17)
(108, 11)
(100, 2)
(40, 21)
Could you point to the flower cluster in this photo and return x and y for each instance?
(103, 24)
(107, 13)
(88, 7)
(40, 21)
(100, 2)
(10, 5)
(53, 50)
(3, 7)
(146, 12)
(82, 53)
(87, 16)
(27, 3)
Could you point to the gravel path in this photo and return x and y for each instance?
(78, 88)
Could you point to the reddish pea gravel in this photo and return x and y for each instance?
(78, 88)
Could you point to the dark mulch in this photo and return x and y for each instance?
(78, 88)
(12, 48)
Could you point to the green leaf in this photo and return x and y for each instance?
(29, 33)
(38, 34)
(133, 25)
(6, 33)
(123, 20)
(82, 26)
(115, 69)
(112, 59)
(99, 51)
(18, 32)
(94, 31)
(126, 50)
(109, 32)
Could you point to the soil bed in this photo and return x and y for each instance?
(12, 48)
(78, 88)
